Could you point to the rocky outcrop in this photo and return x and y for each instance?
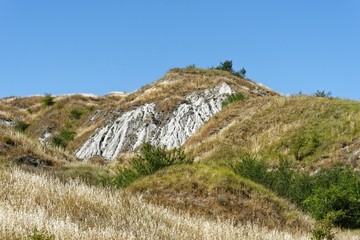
(146, 124)
(6, 122)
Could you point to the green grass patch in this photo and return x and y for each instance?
(76, 114)
(21, 126)
(62, 139)
(235, 97)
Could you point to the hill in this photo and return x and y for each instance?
(246, 154)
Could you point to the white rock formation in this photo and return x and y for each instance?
(190, 116)
(146, 124)
(43, 139)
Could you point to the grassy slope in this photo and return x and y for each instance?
(311, 131)
(269, 128)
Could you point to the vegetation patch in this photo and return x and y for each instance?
(76, 114)
(150, 160)
(233, 98)
(63, 138)
(21, 126)
(217, 193)
(48, 100)
(332, 194)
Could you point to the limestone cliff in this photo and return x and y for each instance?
(147, 124)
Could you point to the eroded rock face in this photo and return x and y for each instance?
(147, 124)
(6, 121)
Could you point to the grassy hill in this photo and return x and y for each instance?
(247, 165)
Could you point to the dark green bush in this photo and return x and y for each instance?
(76, 114)
(48, 100)
(226, 66)
(150, 160)
(336, 196)
(233, 98)
(322, 94)
(21, 126)
(332, 194)
(63, 138)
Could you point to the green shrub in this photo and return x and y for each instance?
(21, 126)
(332, 194)
(40, 235)
(233, 98)
(252, 168)
(48, 100)
(336, 196)
(76, 114)
(304, 145)
(63, 138)
(191, 66)
(322, 94)
(226, 66)
(322, 231)
(150, 160)
(241, 73)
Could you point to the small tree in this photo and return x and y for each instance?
(242, 72)
(48, 100)
(322, 94)
(226, 66)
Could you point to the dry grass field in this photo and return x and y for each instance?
(76, 211)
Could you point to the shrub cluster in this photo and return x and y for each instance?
(228, 66)
(48, 100)
(63, 138)
(150, 160)
(76, 114)
(21, 126)
(332, 194)
(322, 94)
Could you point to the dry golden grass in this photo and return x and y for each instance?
(177, 83)
(77, 211)
(218, 193)
(14, 145)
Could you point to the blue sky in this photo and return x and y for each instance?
(88, 46)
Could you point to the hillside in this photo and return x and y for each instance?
(310, 131)
(100, 141)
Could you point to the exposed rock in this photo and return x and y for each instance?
(147, 124)
(126, 133)
(43, 139)
(190, 116)
(6, 121)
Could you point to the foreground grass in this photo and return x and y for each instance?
(76, 211)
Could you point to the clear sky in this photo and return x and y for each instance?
(100, 46)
